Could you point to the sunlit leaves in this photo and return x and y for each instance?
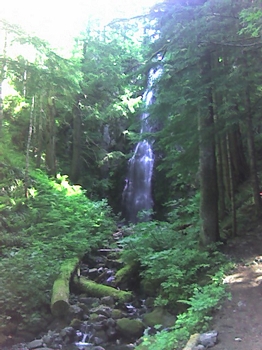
(59, 222)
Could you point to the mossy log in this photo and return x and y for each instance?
(60, 292)
(124, 275)
(94, 289)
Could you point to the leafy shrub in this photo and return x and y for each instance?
(196, 318)
(169, 254)
(189, 280)
(58, 222)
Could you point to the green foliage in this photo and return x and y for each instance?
(196, 318)
(169, 254)
(223, 29)
(108, 102)
(59, 222)
(251, 20)
(184, 278)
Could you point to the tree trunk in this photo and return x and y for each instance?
(39, 134)
(252, 157)
(219, 125)
(224, 156)
(76, 158)
(28, 145)
(50, 138)
(239, 164)
(232, 189)
(97, 290)
(220, 182)
(60, 292)
(2, 78)
(251, 142)
(209, 230)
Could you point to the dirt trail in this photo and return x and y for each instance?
(239, 322)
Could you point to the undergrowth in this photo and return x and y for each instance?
(184, 278)
(55, 223)
(196, 318)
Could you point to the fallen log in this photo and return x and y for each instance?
(192, 342)
(125, 274)
(60, 291)
(94, 289)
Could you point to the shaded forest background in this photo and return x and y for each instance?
(77, 120)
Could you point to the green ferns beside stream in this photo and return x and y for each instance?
(176, 272)
(55, 223)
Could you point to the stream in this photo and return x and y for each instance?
(99, 323)
(107, 323)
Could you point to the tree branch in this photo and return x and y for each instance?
(233, 44)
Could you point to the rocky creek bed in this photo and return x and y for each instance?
(105, 309)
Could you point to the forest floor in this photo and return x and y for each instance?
(239, 321)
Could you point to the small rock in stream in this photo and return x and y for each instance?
(108, 301)
(37, 343)
(75, 312)
(89, 301)
(68, 334)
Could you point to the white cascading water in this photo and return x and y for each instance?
(137, 194)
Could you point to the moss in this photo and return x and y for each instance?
(125, 273)
(130, 328)
(159, 316)
(116, 313)
(60, 297)
(76, 323)
(68, 268)
(94, 289)
(60, 292)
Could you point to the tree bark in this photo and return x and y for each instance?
(239, 164)
(209, 229)
(76, 158)
(28, 145)
(39, 134)
(220, 182)
(232, 189)
(252, 157)
(224, 156)
(2, 78)
(50, 138)
(251, 144)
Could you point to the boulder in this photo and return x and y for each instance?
(109, 301)
(116, 313)
(130, 329)
(74, 312)
(159, 316)
(37, 343)
(208, 339)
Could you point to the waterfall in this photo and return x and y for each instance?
(137, 194)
